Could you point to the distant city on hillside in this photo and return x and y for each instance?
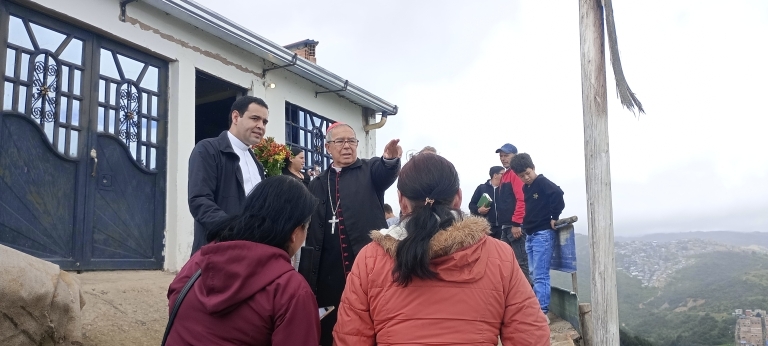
(653, 262)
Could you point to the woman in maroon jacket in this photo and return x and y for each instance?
(248, 293)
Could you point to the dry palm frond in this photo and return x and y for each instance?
(628, 98)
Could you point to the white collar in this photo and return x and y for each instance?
(398, 231)
(236, 143)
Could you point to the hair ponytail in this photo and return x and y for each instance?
(430, 183)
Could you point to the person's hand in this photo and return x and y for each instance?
(517, 232)
(483, 210)
(552, 223)
(393, 150)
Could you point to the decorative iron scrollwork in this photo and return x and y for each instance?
(129, 109)
(318, 143)
(45, 87)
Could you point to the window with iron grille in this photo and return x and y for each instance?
(306, 130)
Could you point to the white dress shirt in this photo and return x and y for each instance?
(251, 176)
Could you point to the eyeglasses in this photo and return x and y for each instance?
(341, 142)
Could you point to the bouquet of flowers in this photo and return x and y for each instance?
(272, 155)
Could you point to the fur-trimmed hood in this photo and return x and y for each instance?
(462, 234)
(456, 252)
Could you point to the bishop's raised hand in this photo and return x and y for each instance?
(393, 150)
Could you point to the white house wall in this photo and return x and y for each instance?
(188, 49)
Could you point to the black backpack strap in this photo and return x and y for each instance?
(176, 306)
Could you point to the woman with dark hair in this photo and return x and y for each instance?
(437, 277)
(247, 292)
(295, 164)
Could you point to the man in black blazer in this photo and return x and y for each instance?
(223, 170)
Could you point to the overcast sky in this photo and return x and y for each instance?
(470, 76)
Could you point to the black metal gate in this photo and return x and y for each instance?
(82, 146)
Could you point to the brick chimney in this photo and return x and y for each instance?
(305, 49)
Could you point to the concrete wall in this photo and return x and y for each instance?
(188, 49)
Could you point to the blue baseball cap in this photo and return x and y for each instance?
(507, 148)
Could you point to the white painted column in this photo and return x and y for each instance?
(179, 231)
(368, 142)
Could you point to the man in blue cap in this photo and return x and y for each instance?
(511, 199)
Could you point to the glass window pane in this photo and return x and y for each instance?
(107, 65)
(62, 109)
(77, 82)
(144, 129)
(114, 122)
(22, 99)
(112, 94)
(143, 155)
(47, 38)
(17, 34)
(154, 105)
(75, 112)
(62, 139)
(131, 68)
(24, 67)
(64, 78)
(73, 143)
(153, 132)
(102, 90)
(152, 158)
(73, 52)
(150, 79)
(144, 101)
(10, 63)
(8, 96)
(132, 147)
(101, 119)
(49, 131)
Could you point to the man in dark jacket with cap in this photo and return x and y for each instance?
(511, 196)
(223, 170)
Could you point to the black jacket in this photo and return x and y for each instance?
(305, 180)
(362, 199)
(503, 203)
(543, 203)
(215, 185)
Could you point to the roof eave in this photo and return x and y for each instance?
(233, 33)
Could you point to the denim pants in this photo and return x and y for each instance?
(518, 247)
(540, 246)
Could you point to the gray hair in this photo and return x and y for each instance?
(329, 137)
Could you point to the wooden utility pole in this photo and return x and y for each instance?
(605, 313)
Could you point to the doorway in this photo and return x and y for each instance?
(213, 99)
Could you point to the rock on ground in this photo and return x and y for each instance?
(562, 333)
(40, 304)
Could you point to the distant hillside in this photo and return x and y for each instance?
(744, 239)
(693, 307)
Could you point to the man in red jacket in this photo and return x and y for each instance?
(511, 192)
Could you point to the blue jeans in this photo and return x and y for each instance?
(539, 247)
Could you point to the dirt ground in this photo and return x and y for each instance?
(131, 308)
(124, 307)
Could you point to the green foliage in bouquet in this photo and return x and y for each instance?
(272, 155)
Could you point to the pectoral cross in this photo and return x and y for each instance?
(333, 223)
